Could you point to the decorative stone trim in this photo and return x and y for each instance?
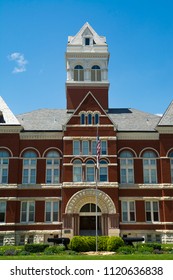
(89, 196)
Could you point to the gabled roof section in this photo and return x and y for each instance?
(6, 115)
(90, 103)
(130, 119)
(86, 30)
(44, 120)
(167, 118)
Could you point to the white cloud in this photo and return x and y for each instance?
(21, 62)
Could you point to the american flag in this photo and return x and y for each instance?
(98, 150)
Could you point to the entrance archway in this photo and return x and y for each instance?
(107, 216)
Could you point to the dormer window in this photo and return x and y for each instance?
(1, 117)
(87, 41)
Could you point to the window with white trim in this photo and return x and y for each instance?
(78, 73)
(85, 147)
(152, 211)
(128, 211)
(51, 211)
(29, 167)
(52, 167)
(76, 147)
(126, 168)
(90, 171)
(150, 167)
(27, 211)
(171, 165)
(103, 171)
(95, 73)
(2, 211)
(4, 164)
(77, 171)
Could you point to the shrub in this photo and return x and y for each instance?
(126, 250)
(114, 242)
(56, 249)
(79, 244)
(35, 248)
(10, 252)
(91, 243)
(102, 243)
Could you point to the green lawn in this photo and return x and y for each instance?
(86, 257)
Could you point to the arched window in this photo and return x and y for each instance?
(103, 171)
(126, 168)
(90, 208)
(78, 73)
(171, 164)
(149, 167)
(4, 163)
(52, 167)
(95, 73)
(96, 118)
(89, 118)
(77, 171)
(82, 119)
(29, 167)
(90, 171)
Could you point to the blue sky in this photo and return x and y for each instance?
(33, 40)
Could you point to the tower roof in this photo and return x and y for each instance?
(86, 31)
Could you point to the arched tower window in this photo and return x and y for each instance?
(95, 73)
(78, 73)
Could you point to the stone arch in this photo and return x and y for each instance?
(85, 196)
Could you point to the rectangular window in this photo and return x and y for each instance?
(85, 147)
(2, 211)
(150, 171)
(87, 41)
(4, 170)
(103, 147)
(51, 211)
(76, 147)
(152, 211)
(29, 171)
(128, 211)
(27, 211)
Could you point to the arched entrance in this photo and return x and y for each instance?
(87, 219)
(77, 209)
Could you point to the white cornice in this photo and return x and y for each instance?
(41, 135)
(87, 83)
(10, 129)
(137, 135)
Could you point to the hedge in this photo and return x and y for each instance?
(88, 243)
(35, 248)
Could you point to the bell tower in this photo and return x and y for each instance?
(87, 60)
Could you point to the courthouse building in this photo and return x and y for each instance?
(48, 159)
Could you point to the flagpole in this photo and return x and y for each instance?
(96, 210)
(96, 174)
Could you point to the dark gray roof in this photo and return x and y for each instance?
(44, 119)
(124, 119)
(128, 119)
